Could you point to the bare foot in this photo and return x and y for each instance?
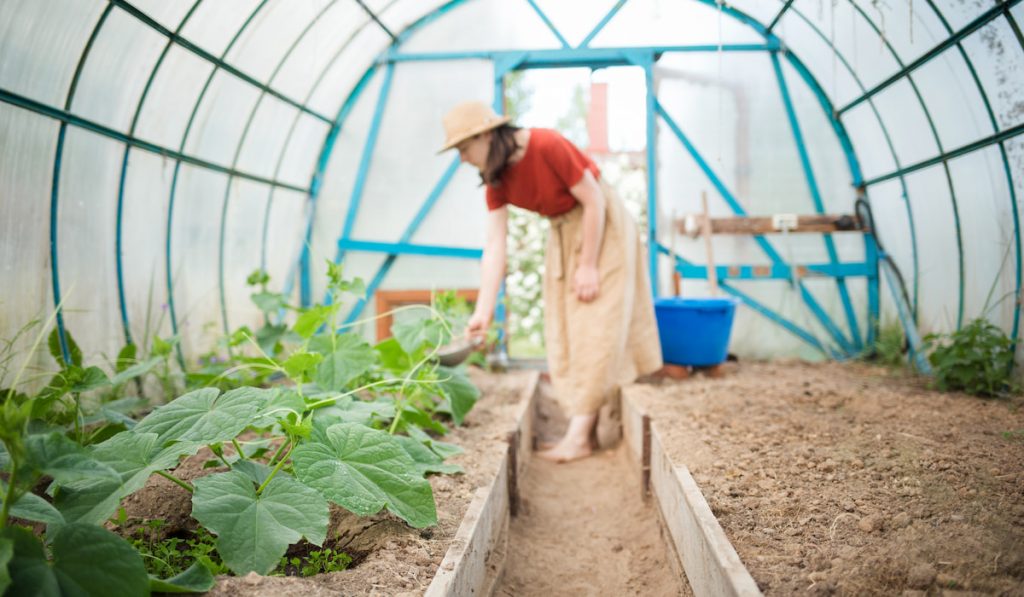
(545, 445)
(565, 453)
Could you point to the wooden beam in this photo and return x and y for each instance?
(817, 223)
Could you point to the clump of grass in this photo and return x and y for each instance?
(976, 359)
(890, 345)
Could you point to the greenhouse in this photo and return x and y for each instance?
(235, 263)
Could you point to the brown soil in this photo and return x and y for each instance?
(391, 558)
(583, 529)
(851, 479)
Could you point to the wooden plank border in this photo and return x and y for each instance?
(475, 561)
(711, 563)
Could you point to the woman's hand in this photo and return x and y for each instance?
(586, 283)
(477, 326)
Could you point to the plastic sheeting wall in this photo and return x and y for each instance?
(175, 147)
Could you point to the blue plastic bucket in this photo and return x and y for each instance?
(694, 331)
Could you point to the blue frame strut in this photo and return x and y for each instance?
(772, 41)
(58, 159)
(780, 271)
(548, 23)
(304, 266)
(573, 57)
(219, 63)
(651, 123)
(405, 248)
(364, 167)
(819, 206)
(299, 271)
(685, 267)
(238, 153)
(597, 29)
(781, 321)
(303, 262)
(171, 306)
(833, 114)
(410, 231)
(1001, 8)
(119, 226)
(738, 209)
(954, 203)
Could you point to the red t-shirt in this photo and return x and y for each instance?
(540, 181)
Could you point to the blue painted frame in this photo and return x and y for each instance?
(644, 57)
(766, 246)
(819, 206)
(67, 118)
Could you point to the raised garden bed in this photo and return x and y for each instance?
(390, 557)
(852, 479)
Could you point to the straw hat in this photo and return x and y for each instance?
(468, 119)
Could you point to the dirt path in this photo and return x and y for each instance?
(583, 530)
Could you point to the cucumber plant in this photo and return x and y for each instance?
(76, 557)
(351, 429)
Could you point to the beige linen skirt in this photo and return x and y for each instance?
(594, 348)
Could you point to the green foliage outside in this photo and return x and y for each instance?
(356, 425)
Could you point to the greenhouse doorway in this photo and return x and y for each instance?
(603, 112)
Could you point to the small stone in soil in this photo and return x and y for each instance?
(921, 576)
(901, 520)
(870, 523)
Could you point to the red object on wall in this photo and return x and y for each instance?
(597, 119)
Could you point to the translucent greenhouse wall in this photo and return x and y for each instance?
(153, 154)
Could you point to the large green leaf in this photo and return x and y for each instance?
(87, 560)
(269, 302)
(268, 336)
(280, 402)
(352, 356)
(461, 392)
(412, 415)
(89, 378)
(55, 455)
(137, 370)
(53, 342)
(393, 357)
(256, 471)
(413, 333)
(32, 507)
(6, 553)
(196, 579)
(354, 410)
(311, 319)
(425, 458)
(442, 449)
(301, 365)
(254, 531)
(126, 357)
(204, 417)
(134, 456)
(364, 470)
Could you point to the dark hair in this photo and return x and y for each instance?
(503, 145)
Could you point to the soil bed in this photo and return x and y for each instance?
(390, 558)
(583, 528)
(851, 479)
